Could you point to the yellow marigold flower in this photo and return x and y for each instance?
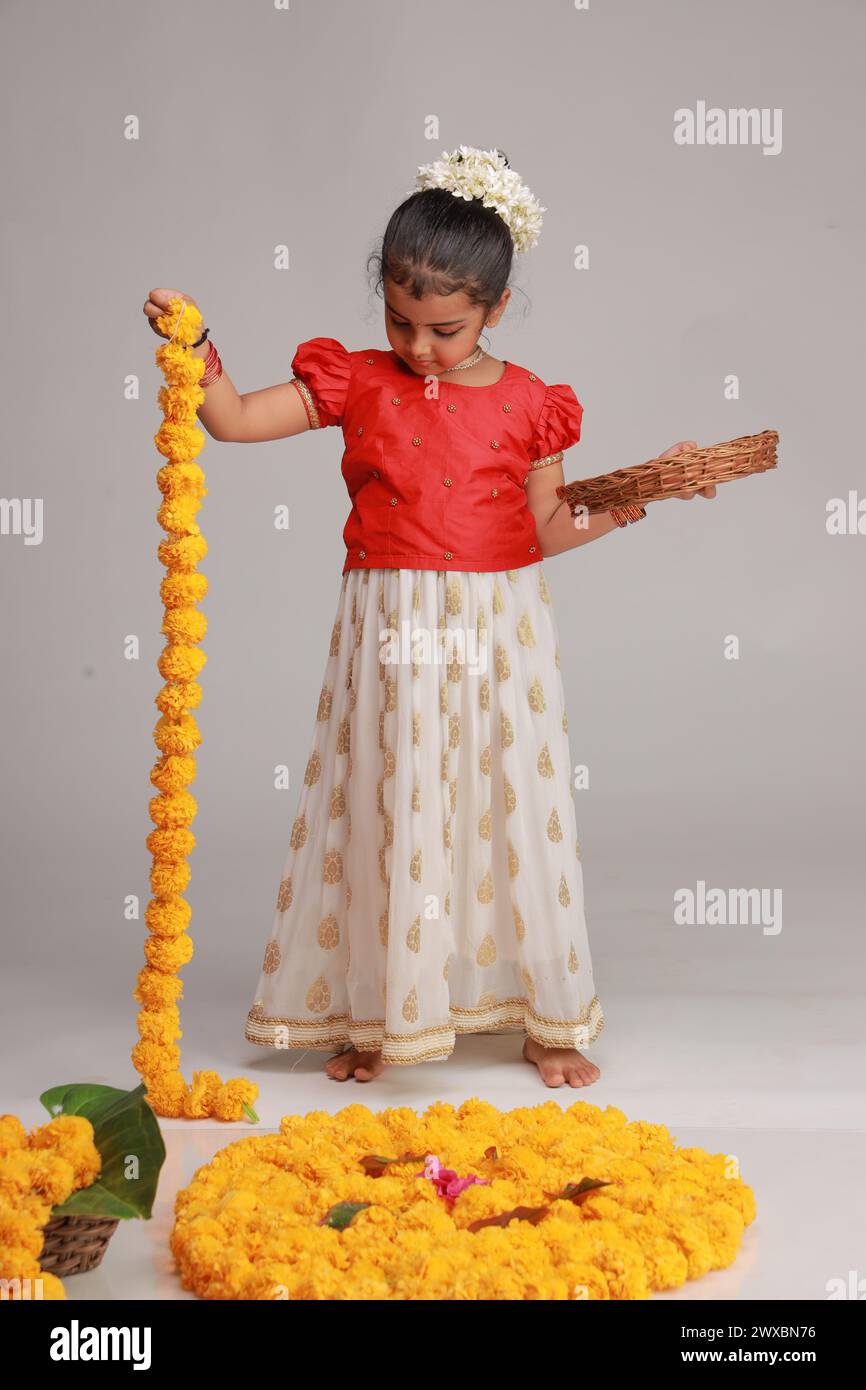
(168, 916)
(183, 590)
(176, 697)
(170, 846)
(152, 1059)
(13, 1135)
(155, 990)
(177, 735)
(51, 1174)
(179, 662)
(182, 554)
(166, 1093)
(169, 878)
(17, 1263)
(232, 1096)
(178, 515)
(178, 478)
(71, 1136)
(184, 625)
(199, 1102)
(173, 809)
(160, 1025)
(173, 772)
(168, 954)
(18, 1228)
(179, 441)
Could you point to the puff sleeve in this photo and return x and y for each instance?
(320, 370)
(557, 426)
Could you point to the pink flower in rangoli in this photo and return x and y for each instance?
(445, 1180)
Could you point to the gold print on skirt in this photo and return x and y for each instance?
(381, 593)
(486, 953)
(343, 736)
(542, 588)
(510, 796)
(524, 631)
(388, 831)
(554, 829)
(503, 666)
(485, 889)
(335, 638)
(513, 861)
(564, 722)
(564, 895)
(443, 698)
(272, 958)
(299, 832)
(480, 623)
(338, 802)
(485, 826)
(314, 769)
(332, 866)
(383, 929)
(545, 762)
(354, 609)
(416, 797)
(485, 762)
(498, 601)
(390, 694)
(506, 730)
(572, 960)
(359, 633)
(416, 728)
(415, 866)
(447, 838)
(530, 985)
(512, 575)
(413, 935)
(328, 934)
(454, 731)
(285, 895)
(383, 868)
(325, 701)
(484, 694)
(318, 996)
(443, 767)
(519, 924)
(410, 1006)
(382, 729)
(453, 597)
(537, 701)
(556, 654)
(348, 895)
(455, 669)
(416, 596)
(452, 792)
(380, 797)
(486, 1001)
(390, 763)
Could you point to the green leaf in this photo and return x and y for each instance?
(124, 1125)
(342, 1213)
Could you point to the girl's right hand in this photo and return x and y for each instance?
(157, 303)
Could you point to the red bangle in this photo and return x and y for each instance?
(213, 367)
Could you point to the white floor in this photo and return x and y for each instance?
(764, 1060)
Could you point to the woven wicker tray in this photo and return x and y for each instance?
(661, 478)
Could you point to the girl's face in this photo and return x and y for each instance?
(436, 332)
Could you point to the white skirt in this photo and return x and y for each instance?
(433, 883)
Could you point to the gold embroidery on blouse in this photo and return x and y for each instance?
(306, 394)
(549, 458)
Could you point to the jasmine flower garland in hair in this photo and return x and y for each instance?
(471, 173)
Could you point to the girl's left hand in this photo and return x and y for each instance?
(682, 448)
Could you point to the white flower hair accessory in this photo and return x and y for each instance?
(471, 173)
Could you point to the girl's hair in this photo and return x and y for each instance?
(436, 243)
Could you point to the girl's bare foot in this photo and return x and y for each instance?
(560, 1064)
(362, 1065)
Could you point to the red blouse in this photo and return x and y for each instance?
(436, 471)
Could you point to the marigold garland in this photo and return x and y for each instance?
(37, 1172)
(169, 947)
(608, 1209)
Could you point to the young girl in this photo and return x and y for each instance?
(433, 882)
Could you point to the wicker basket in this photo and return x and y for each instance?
(75, 1244)
(661, 478)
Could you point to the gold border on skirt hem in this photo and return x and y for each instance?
(407, 1049)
